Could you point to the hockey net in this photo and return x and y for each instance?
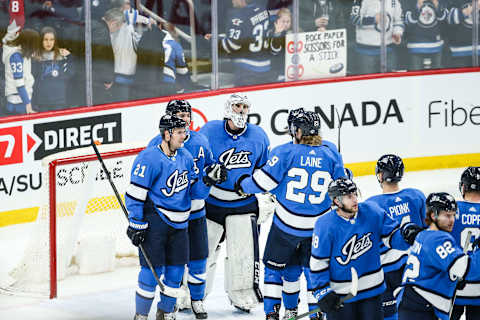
(80, 228)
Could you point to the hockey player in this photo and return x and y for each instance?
(435, 265)
(247, 44)
(198, 146)
(163, 184)
(241, 147)
(297, 174)
(403, 205)
(468, 219)
(350, 236)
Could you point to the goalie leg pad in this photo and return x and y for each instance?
(145, 292)
(197, 274)
(215, 233)
(242, 265)
(291, 286)
(272, 289)
(172, 279)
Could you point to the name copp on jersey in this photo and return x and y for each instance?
(407, 205)
(197, 145)
(241, 154)
(298, 175)
(467, 219)
(432, 260)
(246, 39)
(168, 181)
(339, 244)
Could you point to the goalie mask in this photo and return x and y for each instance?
(308, 121)
(470, 180)
(238, 119)
(440, 201)
(341, 187)
(175, 106)
(391, 167)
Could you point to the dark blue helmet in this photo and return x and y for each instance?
(440, 201)
(391, 166)
(175, 106)
(293, 114)
(341, 187)
(470, 180)
(169, 122)
(308, 121)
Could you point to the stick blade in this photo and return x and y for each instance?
(354, 288)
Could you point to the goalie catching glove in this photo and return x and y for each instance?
(215, 174)
(136, 231)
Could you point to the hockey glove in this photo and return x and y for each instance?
(476, 244)
(238, 186)
(215, 174)
(330, 303)
(136, 231)
(409, 232)
(461, 284)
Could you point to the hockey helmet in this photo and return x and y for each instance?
(169, 122)
(238, 119)
(341, 187)
(470, 180)
(308, 121)
(293, 114)
(440, 201)
(175, 106)
(391, 166)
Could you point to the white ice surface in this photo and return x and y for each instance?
(112, 295)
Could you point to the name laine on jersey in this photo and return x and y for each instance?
(176, 182)
(259, 17)
(399, 209)
(311, 162)
(416, 247)
(234, 160)
(471, 219)
(354, 248)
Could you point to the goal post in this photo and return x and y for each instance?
(80, 227)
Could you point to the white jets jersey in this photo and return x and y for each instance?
(18, 73)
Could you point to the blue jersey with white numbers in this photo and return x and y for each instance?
(407, 205)
(467, 219)
(170, 182)
(432, 267)
(298, 175)
(197, 144)
(339, 244)
(241, 154)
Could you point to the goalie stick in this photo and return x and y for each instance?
(465, 249)
(173, 292)
(352, 293)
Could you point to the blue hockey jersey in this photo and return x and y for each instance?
(460, 28)
(170, 182)
(241, 154)
(197, 145)
(467, 219)
(339, 244)
(407, 205)
(433, 263)
(298, 175)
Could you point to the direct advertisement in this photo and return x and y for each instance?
(420, 117)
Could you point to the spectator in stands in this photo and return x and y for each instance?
(52, 70)
(282, 26)
(368, 18)
(98, 9)
(102, 58)
(423, 22)
(460, 31)
(124, 44)
(150, 4)
(18, 49)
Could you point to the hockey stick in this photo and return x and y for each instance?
(352, 293)
(339, 127)
(465, 249)
(173, 292)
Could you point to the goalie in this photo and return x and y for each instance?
(241, 147)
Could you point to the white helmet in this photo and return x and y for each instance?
(238, 119)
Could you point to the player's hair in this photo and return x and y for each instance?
(29, 42)
(311, 140)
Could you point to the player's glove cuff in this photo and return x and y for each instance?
(137, 225)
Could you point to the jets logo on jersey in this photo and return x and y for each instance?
(354, 248)
(235, 160)
(176, 182)
(427, 15)
(237, 22)
(472, 209)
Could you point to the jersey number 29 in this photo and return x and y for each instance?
(318, 182)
